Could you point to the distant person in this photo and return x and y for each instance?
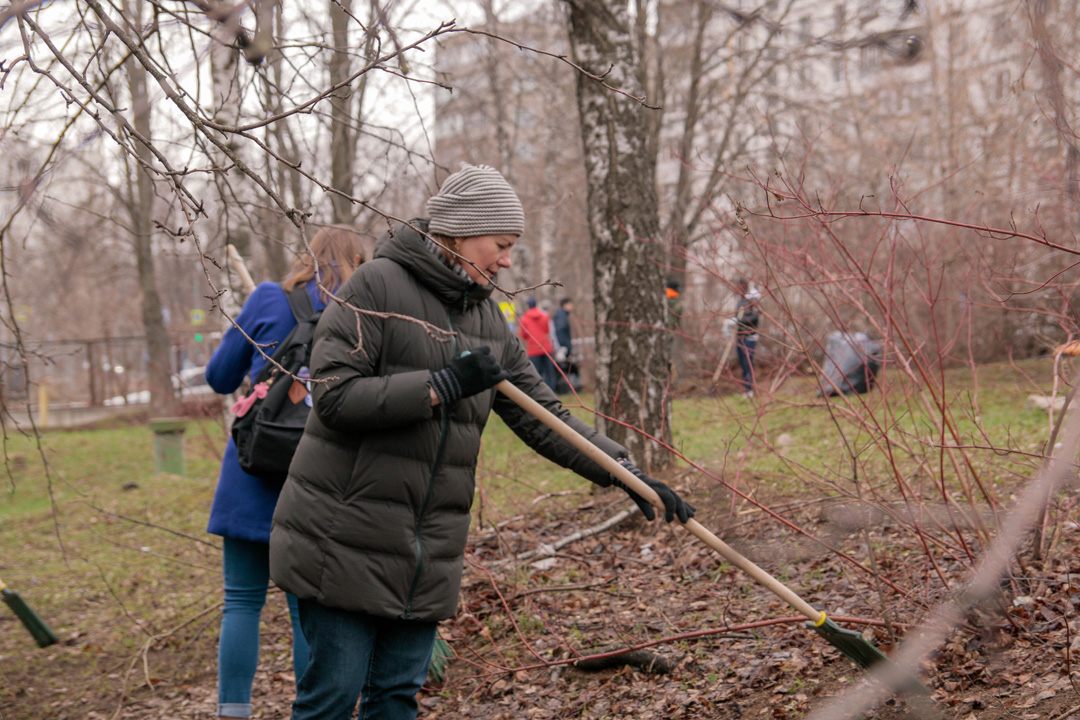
(747, 317)
(674, 305)
(510, 314)
(244, 504)
(564, 342)
(548, 307)
(568, 379)
(535, 326)
(673, 314)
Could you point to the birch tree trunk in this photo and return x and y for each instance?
(141, 206)
(225, 81)
(632, 349)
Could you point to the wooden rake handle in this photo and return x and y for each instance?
(241, 269)
(723, 359)
(628, 478)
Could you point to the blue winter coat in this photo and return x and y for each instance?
(244, 504)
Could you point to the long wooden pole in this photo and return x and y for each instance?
(723, 359)
(628, 478)
(241, 269)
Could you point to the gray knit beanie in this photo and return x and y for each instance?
(476, 200)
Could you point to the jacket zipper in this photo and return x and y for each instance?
(430, 487)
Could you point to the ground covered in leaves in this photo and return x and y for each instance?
(534, 604)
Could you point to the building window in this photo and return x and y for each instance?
(1001, 84)
(869, 59)
(526, 150)
(526, 119)
(1002, 32)
(957, 39)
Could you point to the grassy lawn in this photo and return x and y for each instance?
(790, 441)
(123, 558)
(777, 445)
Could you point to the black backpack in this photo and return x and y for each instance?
(266, 435)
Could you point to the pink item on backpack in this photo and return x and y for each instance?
(241, 406)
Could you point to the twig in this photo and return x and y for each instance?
(563, 58)
(547, 550)
(557, 588)
(149, 524)
(1066, 714)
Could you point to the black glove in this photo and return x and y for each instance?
(673, 504)
(469, 373)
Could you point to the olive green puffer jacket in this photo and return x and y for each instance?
(375, 513)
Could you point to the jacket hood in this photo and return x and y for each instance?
(405, 246)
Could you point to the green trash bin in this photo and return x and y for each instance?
(169, 445)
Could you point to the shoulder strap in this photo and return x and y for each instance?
(300, 303)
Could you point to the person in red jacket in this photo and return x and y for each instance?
(536, 332)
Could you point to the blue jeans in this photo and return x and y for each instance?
(382, 661)
(246, 567)
(546, 367)
(744, 348)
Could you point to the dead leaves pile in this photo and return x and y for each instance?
(520, 626)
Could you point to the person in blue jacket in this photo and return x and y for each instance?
(244, 504)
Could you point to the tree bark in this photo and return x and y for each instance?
(162, 397)
(342, 135)
(224, 64)
(632, 349)
(288, 180)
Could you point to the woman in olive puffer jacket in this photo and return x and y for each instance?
(370, 528)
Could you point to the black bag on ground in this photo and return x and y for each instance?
(852, 362)
(568, 379)
(267, 433)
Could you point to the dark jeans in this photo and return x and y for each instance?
(382, 661)
(744, 348)
(546, 367)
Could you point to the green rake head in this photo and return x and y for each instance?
(43, 634)
(861, 652)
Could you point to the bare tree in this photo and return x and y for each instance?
(140, 203)
(1053, 71)
(726, 72)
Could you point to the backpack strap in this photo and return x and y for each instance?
(300, 303)
(306, 318)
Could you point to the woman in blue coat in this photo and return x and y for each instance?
(244, 504)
